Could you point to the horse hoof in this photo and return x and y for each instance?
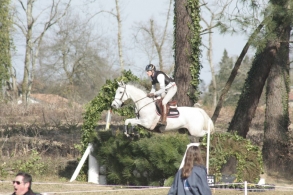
(163, 123)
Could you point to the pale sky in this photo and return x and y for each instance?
(141, 11)
(137, 11)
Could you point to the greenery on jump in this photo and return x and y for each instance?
(146, 161)
(154, 158)
(100, 103)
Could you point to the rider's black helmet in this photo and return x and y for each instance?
(150, 67)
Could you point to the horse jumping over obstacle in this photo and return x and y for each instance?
(194, 119)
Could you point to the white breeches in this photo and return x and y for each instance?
(169, 95)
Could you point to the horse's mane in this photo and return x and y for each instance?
(137, 85)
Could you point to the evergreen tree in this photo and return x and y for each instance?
(225, 68)
(5, 58)
(238, 83)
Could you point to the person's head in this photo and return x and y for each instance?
(22, 183)
(193, 157)
(150, 69)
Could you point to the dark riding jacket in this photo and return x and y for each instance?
(167, 78)
(165, 82)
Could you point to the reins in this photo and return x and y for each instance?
(137, 113)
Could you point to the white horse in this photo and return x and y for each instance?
(194, 119)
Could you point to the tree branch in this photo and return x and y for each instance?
(234, 71)
(22, 5)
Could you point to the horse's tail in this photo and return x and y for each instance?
(208, 123)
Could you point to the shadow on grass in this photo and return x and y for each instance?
(68, 170)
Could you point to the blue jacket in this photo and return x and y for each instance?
(195, 184)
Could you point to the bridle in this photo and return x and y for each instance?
(124, 92)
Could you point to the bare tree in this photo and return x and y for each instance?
(72, 57)
(46, 18)
(152, 32)
(117, 16)
(215, 12)
(119, 35)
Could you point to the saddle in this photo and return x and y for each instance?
(171, 108)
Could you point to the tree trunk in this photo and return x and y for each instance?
(13, 83)
(275, 145)
(252, 90)
(157, 45)
(28, 52)
(119, 36)
(5, 46)
(211, 63)
(234, 73)
(185, 52)
(29, 61)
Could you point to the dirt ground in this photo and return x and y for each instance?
(50, 188)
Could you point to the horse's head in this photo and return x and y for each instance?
(120, 96)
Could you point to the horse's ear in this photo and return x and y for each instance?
(121, 84)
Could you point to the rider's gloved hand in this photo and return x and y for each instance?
(150, 95)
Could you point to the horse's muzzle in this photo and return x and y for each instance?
(114, 105)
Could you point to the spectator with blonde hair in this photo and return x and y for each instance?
(192, 178)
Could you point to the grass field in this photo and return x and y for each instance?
(60, 156)
(81, 188)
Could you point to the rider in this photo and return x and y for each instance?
(167, 89)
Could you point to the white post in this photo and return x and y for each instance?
(93, 172)
(191, 144)
(108, 120)
(208, 147)
(245, 188)
(81, 162)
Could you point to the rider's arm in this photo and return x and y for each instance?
(153, 88)
(161, 80)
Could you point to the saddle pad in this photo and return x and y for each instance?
(173, 112)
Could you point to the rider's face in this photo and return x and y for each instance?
(149, 73)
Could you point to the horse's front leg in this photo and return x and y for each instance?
(128, 131)
(147, 123)
(133, 122)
